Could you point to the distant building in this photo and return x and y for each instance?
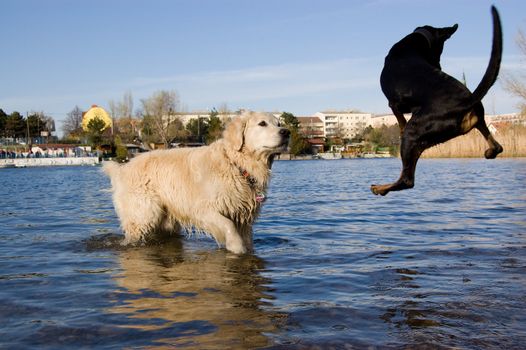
(497, 127)
(185, 117)
(344, 124)
(317, 145)
(385, 119)
(511, 118)
(498, 123)
(96, 112)
(311, 127)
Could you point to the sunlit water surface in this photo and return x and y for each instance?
(440, 266)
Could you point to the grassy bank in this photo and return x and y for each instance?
(512, 139)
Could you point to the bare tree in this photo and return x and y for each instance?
(112, 106)
(72, 126)
(122, 109)
(516, 84)
(160, 121)
(223, 112)
(122, 114)
(125, 107)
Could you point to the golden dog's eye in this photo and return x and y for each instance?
(263, 123)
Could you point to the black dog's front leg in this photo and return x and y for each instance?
(410, 152)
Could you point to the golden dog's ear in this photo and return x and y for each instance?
(234, 133)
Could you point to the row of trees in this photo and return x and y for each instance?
(17, 127)
(157, 120)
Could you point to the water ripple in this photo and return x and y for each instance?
(335, 266)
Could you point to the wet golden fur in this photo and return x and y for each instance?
(164, 191)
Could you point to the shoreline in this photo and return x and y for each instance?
(42, 162)
(94, 161)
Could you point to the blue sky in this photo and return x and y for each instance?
(274, 55)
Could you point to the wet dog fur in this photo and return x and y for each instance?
(212, 189)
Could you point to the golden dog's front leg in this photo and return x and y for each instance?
(225, 232)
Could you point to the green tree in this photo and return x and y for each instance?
(290, 120)
(36, 123)
(15, 125)
(96, 127)
(360, 136)
(384, 136)
(298, 144)
(121, 152)
(3, 121)
(215, 128)
(147, 129)
(197, 128)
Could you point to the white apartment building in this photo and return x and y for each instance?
(344, 124)
(185, 117)
(511, 118)
(385, 119)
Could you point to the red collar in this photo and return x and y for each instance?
(252, 182)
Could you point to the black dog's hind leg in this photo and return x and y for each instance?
(494, 147)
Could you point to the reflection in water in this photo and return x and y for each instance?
(166, 286)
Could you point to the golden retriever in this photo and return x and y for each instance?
(216, 189)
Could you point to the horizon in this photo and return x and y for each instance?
(297, 56)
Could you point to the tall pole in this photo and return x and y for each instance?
(27, 138)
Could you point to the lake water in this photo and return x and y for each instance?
(440, 266)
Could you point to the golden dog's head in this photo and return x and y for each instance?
(257, 132)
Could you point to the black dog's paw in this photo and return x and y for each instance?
(491, 153)
(377, 190)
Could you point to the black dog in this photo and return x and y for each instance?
(442, 107)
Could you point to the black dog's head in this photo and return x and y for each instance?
(435, 38)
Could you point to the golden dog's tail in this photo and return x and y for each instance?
(492, 71)
(111, 168)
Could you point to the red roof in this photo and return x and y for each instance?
(316, 141)
(311, 120)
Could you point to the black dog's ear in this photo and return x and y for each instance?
(436, 37)
(447, 32)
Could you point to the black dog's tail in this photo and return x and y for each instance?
(492, 71)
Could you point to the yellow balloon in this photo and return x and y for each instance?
(96, 112)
